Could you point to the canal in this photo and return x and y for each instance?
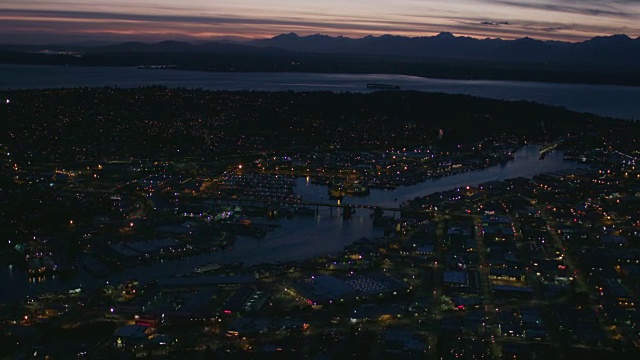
(299, 237)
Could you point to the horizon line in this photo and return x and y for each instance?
(244, 39)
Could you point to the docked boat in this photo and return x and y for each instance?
(382, 86)
(156, 67)
(207, 268)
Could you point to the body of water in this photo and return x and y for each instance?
(300, 237)
(606, 100)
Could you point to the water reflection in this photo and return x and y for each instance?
(41, 278)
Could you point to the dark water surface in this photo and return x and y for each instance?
(605, 100)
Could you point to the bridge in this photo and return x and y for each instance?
(545, 148)
(317, 205)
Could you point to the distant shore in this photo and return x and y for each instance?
(604, 100)
(343, 64)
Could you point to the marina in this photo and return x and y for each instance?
(321, 230)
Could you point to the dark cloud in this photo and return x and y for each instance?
(90, 15)
(586, 7)
(495, 23)
(338, 23)
(84, 20)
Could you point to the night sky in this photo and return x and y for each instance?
(59, 21)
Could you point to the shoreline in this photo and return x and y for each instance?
(619, 99)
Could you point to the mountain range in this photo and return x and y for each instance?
(615, 49)
(606, 59)
(605, 50)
